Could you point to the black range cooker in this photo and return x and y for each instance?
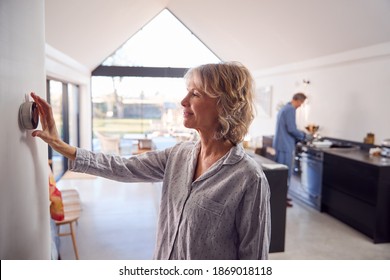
(306, 184)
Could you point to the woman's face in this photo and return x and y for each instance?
(199, 109)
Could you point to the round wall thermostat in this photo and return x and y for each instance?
(29, 115)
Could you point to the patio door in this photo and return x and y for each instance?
(64, 99)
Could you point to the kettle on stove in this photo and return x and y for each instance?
(385, 148)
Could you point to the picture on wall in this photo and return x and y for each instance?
(263, 101)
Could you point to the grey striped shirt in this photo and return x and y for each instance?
(223, 214)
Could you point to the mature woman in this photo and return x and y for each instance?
(215, 198)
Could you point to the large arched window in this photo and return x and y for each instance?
(136, 92)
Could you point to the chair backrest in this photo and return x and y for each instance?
(71, 200)
(145, 144)
(109, 144)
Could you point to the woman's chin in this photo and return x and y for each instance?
(187, 125)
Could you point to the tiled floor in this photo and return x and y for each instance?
(118, 222)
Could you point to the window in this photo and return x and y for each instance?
(163, 42)
(136, 92)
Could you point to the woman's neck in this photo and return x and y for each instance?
(210, 152)
(214, 148)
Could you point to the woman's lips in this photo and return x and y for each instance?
(187, 114)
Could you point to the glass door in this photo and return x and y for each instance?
(63, 97)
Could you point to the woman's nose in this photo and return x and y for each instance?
(184, 101)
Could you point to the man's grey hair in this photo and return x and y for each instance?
(299, 96)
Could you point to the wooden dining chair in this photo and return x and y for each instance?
(72, 209)
(109, 144)
(144, 145)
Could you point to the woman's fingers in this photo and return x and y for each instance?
(49, 130)
(45, 111)
(38, 101)
(36, 133)
(42, 104)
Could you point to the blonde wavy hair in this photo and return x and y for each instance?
(232, 84)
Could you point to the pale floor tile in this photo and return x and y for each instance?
(312, 235)
(118, 222)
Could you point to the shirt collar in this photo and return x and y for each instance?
(235, 154)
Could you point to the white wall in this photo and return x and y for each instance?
(349, 93)
(24, 198)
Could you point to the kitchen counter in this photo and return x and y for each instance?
(355, 186)
(356, 190)
(266, 163)
(360, 156)
(357, 151)
(277, 178)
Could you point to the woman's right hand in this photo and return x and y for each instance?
(49, 132)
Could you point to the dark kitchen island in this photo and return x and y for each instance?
(356, 190)
(277, 179)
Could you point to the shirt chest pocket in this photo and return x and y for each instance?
(207, 216)
(209, 205)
